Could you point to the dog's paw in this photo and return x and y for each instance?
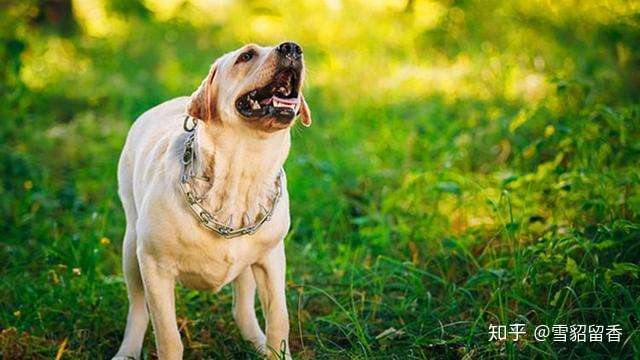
(260, 345)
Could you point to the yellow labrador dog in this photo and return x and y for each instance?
(205, 197)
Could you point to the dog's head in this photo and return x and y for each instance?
(254, 86)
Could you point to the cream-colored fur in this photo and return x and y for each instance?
(164, 243)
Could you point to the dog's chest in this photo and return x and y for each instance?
(217, 265)
(205, 261)
(207, 267)
(196, 256)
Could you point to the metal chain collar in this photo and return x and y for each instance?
(195, 201)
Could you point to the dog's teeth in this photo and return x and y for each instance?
(254, 104)
(277, 103)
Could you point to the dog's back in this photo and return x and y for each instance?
(159, 121)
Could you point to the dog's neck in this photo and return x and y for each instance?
(242, 167)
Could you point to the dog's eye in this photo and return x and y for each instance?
(246, 56)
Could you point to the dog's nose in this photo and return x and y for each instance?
(290, 49)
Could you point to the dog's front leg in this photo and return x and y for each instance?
(269, 273)
(159, 287)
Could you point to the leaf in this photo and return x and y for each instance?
(62, 348)
(390, 333)
(621, 269)
(520, 119)
(575, 271)
(508, 180)
(449, 187)
(606, 244)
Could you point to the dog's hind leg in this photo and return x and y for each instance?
(244, 313)
(138, 316)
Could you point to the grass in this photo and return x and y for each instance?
(471, 163)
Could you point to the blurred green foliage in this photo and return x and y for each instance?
(471, 163)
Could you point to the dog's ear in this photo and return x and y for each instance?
(202, 104)
(304, 112)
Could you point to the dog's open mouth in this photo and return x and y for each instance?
(279, 98)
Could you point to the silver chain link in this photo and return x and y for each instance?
(195, 201)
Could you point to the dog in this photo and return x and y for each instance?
(205, 198)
